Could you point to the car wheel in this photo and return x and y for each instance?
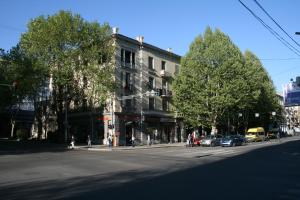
(212, 144)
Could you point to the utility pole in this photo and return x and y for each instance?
(66, 114)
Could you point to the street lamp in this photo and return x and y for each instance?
(256, 115)
(238, 128)
(151, 93)
(274, 119)
(148, 93)
(66, 113)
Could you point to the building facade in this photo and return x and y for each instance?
(142, 104)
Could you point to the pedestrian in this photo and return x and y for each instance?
(278, 136)
(72, 142)
(188, 140)
(132, 140)
(109, 141)
(193, 138)
(89, 142)
(148, 140)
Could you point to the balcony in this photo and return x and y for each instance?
(164, 73)
(128, 65)
(166, 93)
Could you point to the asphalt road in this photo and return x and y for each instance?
(269, 170)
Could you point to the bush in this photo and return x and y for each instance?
(21, 134)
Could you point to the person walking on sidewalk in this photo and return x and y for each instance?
(109, 141)
(148, 140)
(132, 140)
(89, 141)
(188, 140)
(72, 142)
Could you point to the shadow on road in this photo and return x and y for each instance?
(268, 173)
(14, 147)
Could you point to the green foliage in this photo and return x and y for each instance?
(77, 54)
(216, 79)
(22, 75)
(265, 99)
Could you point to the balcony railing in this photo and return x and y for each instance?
(166, 93)
(128, 65)
(164, 73)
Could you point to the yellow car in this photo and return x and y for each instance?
(255, 134)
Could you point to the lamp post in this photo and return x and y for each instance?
(148, 93)
(151, 93)
(66, 114)
(256, 115)
(239, 116)
(274, 114)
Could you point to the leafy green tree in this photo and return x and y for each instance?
(78, 55)
(22, 79)
(264, 101)
(211, 81)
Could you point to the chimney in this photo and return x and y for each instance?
(170, 50)
(140, 38)
(115, 30)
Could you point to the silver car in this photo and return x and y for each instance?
(211, 140)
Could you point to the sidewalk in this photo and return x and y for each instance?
(121, 148)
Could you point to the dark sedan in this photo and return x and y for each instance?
(232, 140)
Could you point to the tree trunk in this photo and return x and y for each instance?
(214, 129)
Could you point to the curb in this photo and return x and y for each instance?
(124, 148)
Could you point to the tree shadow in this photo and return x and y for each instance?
(14, 147)
(267, 173)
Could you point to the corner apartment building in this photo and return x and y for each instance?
(132, 109)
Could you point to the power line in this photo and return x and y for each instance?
(283, 59)
(274, 33)
(7, 27)
(276, 22)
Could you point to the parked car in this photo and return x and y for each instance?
(232, 140)
(198, 139)
(255, 134)
(211, 140)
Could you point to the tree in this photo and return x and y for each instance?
(78, 55)
(265, 100)
(211, 81)
(23, 78)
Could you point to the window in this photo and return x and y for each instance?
(150, 62)
(163, 65)
(121, 80)
(133, 59)
(165, 104)
(127, 57)
(164, 84)
(128, 103)
(122, 55)
(127, 81)
(151, 84)
(151, 103)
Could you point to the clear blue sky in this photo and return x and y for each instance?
(175, 24)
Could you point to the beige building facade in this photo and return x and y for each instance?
(142, 103)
